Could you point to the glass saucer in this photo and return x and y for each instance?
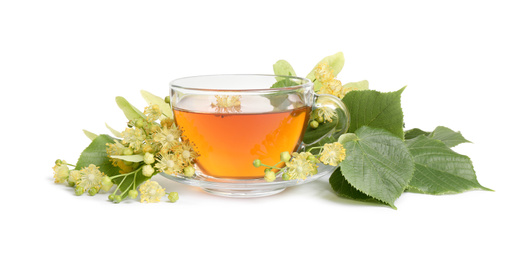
(245, 188)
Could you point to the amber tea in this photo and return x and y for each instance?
(229, 140)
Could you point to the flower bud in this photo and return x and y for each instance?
(93, 191)
(314, 124)
(257, 163)
(128, 151)
(139, 123)
(270, 176)
(189, 171)
(285, 156)
(148, 158)
(79, 190)
(133, 194)
(147, 170)
(117, 198)
(167, 100)
(173, 196)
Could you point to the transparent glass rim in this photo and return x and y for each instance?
(306, 83)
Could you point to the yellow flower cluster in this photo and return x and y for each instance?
(163, 140)
(301, 166)
(151, 192)
(329, 84)
(333, 154)
(227, 103)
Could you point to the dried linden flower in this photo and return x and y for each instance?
(91, 177)
(332, 154)
(151, 192)
(152, 112)
(302, 165)
(61, 172)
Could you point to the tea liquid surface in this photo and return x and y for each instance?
(228, 143)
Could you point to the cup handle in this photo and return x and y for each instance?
(334, 108)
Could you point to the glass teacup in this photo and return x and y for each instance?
(231, 120)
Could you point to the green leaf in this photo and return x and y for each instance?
(438, 169)
(89, 134)
(448, 136)
(156, 100)
(344, 189)
(441, 133)
(129, 158)
(335, 61)
(282, 67)
(378, 164)
(114, 132)
(375, 109)
(412, 133)
(129, 110)
(360, 85)
(96, 154)
(285, 83)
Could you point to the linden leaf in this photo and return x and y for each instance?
(448, 136)
(438, 169)
(344, 189)
(412, 133)
(441, 133)
(129, 110)
(375, 109)
(377, 164)
(155, 100)
(335, 61)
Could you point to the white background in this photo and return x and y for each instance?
(62, 63)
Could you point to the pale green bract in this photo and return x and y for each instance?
(129, 158)
(335, 61)
(90, 135)
(129, 110)
(360, 85)
(155, 100)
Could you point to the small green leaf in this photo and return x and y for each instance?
(129, 158)
(285, 83)
(412, 133)
(96, 154)
(114, 132)
(335, 61)
(438, 169)
(375, 109)
(360, 85)
(378, 164)
(90, 135)
(282, 67)
(155, 100)
(448, 136)
(129, 110)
